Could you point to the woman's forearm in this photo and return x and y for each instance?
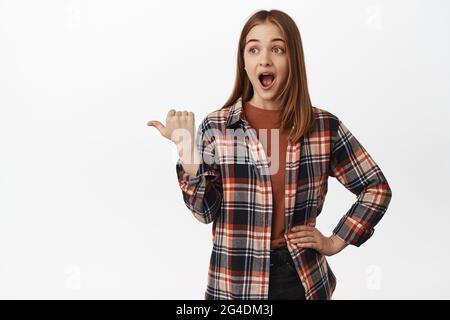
(190, 161)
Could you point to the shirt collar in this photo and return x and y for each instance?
(235, 115)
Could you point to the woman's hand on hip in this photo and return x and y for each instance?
(308, 236)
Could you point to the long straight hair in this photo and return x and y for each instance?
(294, 97)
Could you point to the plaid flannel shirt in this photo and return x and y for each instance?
(234, 193)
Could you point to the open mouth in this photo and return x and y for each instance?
(266, 80)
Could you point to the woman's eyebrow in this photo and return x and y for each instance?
(256, 40)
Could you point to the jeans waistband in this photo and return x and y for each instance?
(280, 256)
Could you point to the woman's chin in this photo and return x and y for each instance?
(266, 95)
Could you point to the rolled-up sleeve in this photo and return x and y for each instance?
(355, 169)
(202, 192)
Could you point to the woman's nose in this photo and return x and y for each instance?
(265, 58)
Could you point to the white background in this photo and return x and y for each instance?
(90, 206)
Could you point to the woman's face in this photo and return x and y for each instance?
(265, 51)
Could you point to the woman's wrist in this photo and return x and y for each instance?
(190, 161)
(338, 244)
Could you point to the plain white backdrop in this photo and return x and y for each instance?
(90, 207)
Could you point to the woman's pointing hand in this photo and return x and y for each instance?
(180, 129)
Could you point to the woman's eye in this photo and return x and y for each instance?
(280, 50)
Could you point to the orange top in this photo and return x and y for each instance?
(270, 119)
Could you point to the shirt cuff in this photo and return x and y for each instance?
(352, 232)
(186, 178)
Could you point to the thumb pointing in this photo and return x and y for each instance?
(158, 125)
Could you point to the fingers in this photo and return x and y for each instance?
(300, 234)
(302, 228)
(311, 245)
(170, 114)
(303, 240)
(184, 113)
(304, 236)
(306, 242)
(181, 113)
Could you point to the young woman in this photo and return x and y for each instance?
(264, 207)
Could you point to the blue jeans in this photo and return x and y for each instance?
(284, 283)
